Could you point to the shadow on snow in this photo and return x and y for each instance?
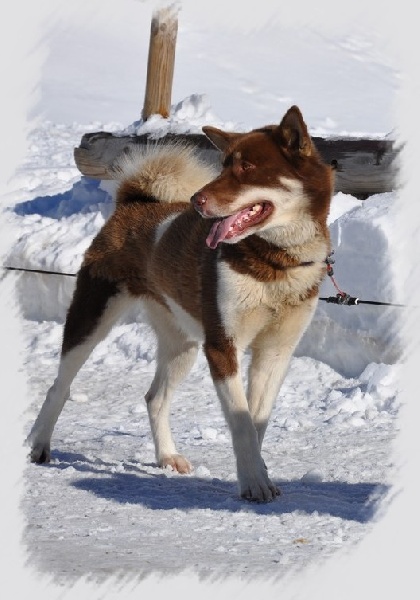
(85, 196)
(167, 491)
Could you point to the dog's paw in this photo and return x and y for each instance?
(176, 462)
(40, 453)
(259, 489)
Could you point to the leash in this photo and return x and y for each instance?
(40, 271)
(341, 298)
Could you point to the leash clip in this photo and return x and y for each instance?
(343, 298)
(330, 261)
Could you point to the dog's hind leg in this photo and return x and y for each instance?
(176, 354)
(96, 306)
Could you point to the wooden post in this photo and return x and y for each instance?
(160, 63)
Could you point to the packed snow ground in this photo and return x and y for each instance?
(102, 507)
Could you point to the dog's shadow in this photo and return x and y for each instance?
(165, 491)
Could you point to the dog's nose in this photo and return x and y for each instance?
(198, 199)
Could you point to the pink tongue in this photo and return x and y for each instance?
(219, 231)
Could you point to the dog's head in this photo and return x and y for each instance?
(271, 178)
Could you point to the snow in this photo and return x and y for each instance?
(101, 517)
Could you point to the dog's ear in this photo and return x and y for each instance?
(292, 134)
(220, 139)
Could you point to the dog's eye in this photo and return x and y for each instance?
(247, 165)
(228, 161)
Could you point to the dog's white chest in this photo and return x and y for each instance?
(247, 306)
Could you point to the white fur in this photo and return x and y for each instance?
(252, 474)
(249, 305)
(290, 224)
(249, 318)
(163, 226)
(175, 356)
(186, 323)
(170, 172)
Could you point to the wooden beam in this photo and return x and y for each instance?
(160, 63)
(363, 166)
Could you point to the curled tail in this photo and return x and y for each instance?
(161, 173)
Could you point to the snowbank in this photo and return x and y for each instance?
(350, 337)
(56, 230)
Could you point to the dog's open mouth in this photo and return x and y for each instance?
(235, 225)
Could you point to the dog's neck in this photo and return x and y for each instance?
(258, 258)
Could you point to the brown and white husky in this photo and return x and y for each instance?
(233, 261)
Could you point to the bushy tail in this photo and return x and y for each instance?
(161, 173)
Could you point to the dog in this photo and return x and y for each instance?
(231, 259)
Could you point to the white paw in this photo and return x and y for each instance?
(40, 453)
(176, 462)
(258, 488)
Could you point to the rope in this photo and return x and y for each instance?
(341, 298)
(40, 271)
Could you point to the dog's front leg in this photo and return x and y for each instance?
(253, 480)
(272, 350)
(265, 376)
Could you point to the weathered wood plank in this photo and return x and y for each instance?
(363, 166)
